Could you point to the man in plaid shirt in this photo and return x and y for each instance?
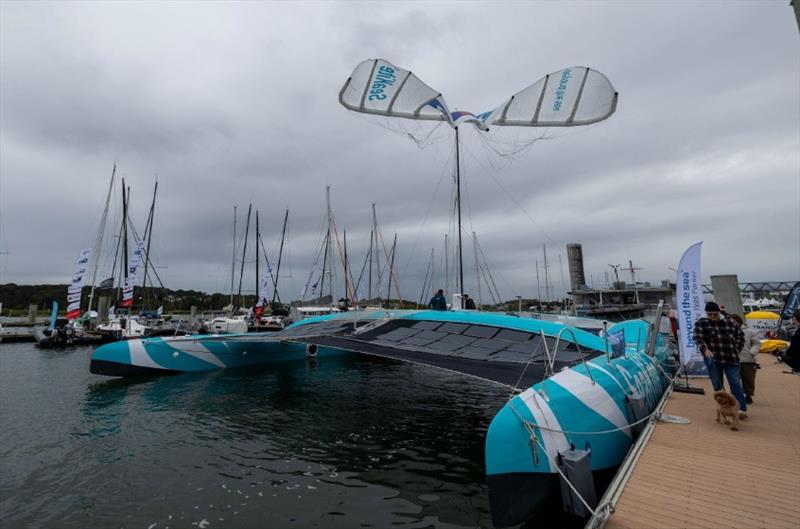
(720, 341)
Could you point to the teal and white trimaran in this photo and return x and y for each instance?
(572, 391)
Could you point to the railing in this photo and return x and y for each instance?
(552, 359)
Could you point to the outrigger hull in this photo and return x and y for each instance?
(193, 353)
(593, 407)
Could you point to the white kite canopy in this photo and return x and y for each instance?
(379, 87)
(566, 98)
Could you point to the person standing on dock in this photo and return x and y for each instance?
(792, 354)
(747, 357)
(438, 302)
(720, 341)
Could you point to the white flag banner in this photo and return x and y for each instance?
(689, 305)
(131, 280)
(74, 289)
(263, 286)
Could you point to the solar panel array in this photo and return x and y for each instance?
(479, 342)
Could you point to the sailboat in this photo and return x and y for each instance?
(577, 400)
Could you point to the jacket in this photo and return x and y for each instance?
(749, 352)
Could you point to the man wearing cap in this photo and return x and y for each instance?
(720, 341)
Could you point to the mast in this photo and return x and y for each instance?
(346, 268)
(233, 254)
(124, 263)
(98, 245)
(369, 288)
(546, 283)
(280, 256)
(327, 250)
(149, 235)
(391, 268)
(258, 277)
(458, 199)
(477, 267)
(244, 251)
(446, 266)
(375, 250)
(538, 285)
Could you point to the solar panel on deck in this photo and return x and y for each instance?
(444, 346)
(514, 356)
(458, 339)
(431, 335)
(416, 341)
(426, 325)
(480, 331)
(455, 328)
(398, 334)
(491, 345)
(513, 336)
(474, 352)
(526, 347)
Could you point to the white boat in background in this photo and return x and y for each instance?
(311, 311)
(121, 327)
(227, 325)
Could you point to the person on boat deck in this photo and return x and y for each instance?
(792, 354)
(438, 302)
(748, 357)
(469, 303)
(720, 342)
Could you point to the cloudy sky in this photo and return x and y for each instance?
(236, 103)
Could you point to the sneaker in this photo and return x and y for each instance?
(742, 415)
(749, 400)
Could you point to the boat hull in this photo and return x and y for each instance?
(194, 353)
(587, 407)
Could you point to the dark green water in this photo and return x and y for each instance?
(351, 442)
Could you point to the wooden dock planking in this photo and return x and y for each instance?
(704, 475)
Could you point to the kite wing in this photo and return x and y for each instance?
(566, 98)
(379, 87)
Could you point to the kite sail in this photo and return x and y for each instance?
(570, 97)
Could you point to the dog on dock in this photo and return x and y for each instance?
(727, 407)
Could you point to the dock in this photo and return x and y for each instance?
(704, 475)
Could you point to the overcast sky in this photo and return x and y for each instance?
(233, 103)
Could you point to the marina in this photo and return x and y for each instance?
(491, 265)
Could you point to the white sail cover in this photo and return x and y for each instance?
(569, 97)
(74, 290)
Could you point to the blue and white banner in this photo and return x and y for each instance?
(74, 289)
(131, 280)
(689, 308)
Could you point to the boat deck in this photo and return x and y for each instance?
(703, 475)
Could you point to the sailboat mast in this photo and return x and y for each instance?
(149, 234)
(375, 249)
(538, 285)
(233, 254)
(477, 267)
(328, 241)
(258, 277)
(124, 263)
(98, 245)
(346, 269)
(458, 200)
(391, 270)
(446, 266)
(369, 288)
(546, 282)
(280, 257)
(244, 251)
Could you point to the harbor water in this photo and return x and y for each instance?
(345, 442)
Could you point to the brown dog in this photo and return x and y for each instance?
(728, 407)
